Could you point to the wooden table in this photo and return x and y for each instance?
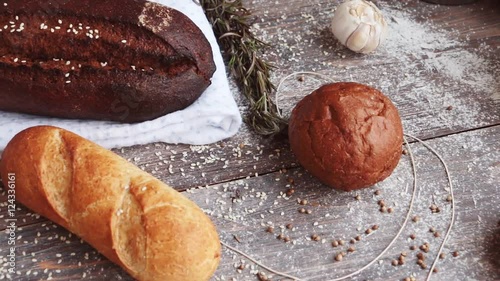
(440, 66)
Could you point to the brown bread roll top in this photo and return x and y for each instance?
(348, 135)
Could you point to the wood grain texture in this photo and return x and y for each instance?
(184, 166)
(245, 208)
(421, 88)
(418, 80)
(423, 111)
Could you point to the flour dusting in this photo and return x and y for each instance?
(409, 39)
(439, 79)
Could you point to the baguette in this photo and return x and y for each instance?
(143, 225)
(119, 60)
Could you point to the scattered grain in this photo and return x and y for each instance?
(434, 209)
(424, 248)
(270, 229)
(262, 277)
(315, 237)
(401, 260)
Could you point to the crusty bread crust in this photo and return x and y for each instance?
(119, 60)
(348, 135)
(149, 229)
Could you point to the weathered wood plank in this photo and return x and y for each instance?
(300, 39)
(416, 83)
(477, 153)
(184, 166)
(434, 57)
(473, 159)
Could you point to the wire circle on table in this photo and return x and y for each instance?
(410, 207)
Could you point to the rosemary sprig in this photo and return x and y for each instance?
(230, 22)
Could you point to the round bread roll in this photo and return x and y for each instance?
(348, 135)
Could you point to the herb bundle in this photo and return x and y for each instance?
(230, 22)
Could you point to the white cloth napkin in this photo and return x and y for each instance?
(213, 117)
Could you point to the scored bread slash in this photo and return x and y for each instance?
(108, 41)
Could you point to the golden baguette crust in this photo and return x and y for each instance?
(149, 229)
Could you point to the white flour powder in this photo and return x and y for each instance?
(422, 67)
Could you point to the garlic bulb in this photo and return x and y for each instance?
(359, 25)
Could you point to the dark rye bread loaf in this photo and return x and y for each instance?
(119, 60)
